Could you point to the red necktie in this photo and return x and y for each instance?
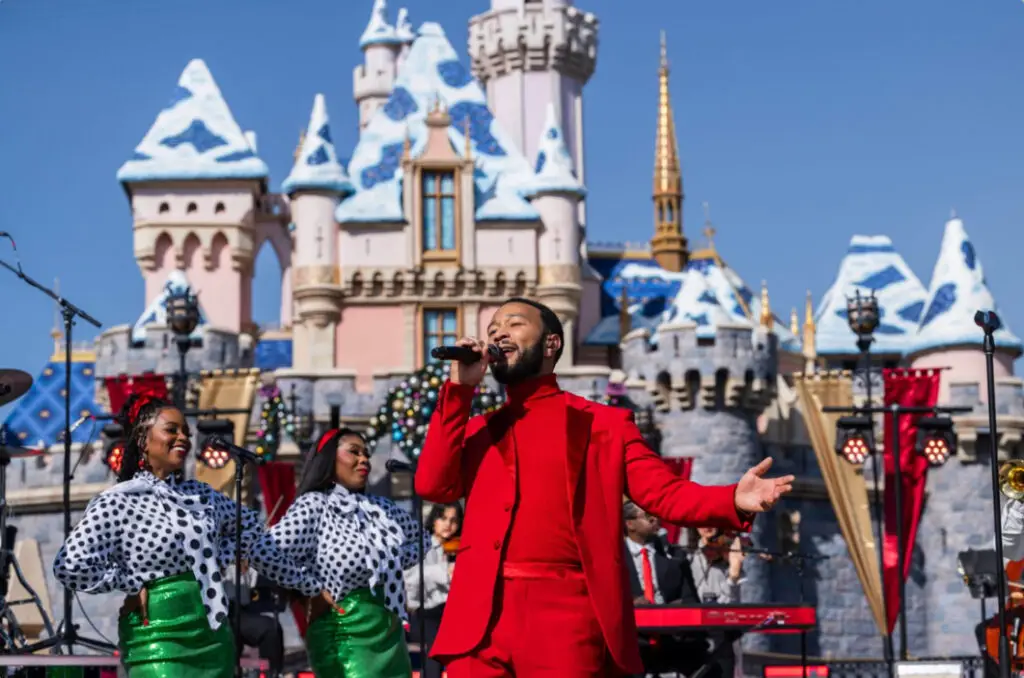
(648, 577)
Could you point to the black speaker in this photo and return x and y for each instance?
(335, 416)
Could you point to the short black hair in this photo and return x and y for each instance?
(550, 321)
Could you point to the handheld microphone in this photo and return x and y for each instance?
(396, 466)
(219, 443)
(988, 321)
(81, 420)
(465, 355)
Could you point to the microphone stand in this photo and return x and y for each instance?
(393, 465)
(67, 632)
(989, 323)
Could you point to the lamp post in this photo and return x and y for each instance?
(183, 318)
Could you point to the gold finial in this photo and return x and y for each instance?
(794, 322)
(668, 244)
(298, 149)
(625, 322)
(709, 228)
(406, 144)
(809, 314)
(767, 320)
(57, 333)
(809, 339)
(469, 142)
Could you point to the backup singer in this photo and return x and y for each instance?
(552, 602)
(357, 546)
(164, 541)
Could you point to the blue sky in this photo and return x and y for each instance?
(802, 122)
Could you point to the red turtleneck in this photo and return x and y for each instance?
(542, 523)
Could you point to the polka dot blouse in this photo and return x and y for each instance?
(146, 529)
(355, 541)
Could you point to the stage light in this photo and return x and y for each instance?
(936, 439)
(853, 436)
(113, 454)
(208, 428)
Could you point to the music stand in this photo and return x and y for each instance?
(981, 572)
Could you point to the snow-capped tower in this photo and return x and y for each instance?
(555, 193)
(947, 336)
(315, 185)
(405, 34)
(528, 54)
(373, 79)
(197, 190)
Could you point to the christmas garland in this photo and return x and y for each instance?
(405, 415)
(274, 416)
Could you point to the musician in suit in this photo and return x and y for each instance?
(553, 602)
(257, 630)
(656, 578)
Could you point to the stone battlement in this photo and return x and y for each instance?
(735, 368)
(117, 354)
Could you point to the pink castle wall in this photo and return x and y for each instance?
(371, 339)
(965, 365)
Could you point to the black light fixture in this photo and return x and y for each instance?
(113, 452)
(936, 439)
(862, 314)
(302, 421)
(854, 439)
(183, 318)
(212, 457)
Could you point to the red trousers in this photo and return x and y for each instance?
(543, 627)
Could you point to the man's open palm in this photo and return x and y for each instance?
(756, 494)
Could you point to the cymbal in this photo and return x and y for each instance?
(13, 385)
(8, 453)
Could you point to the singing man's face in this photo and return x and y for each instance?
(517, 329)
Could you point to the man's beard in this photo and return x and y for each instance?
(529, 365)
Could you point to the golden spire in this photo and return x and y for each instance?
(809, 314)
(794, 322)
(809, 338)
(298, 149)
(767, 320)
(625, 321)
(668, 245)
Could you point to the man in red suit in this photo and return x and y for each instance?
(540, 586)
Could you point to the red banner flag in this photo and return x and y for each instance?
(682, 466)
(907, 388)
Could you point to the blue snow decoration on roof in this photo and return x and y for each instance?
(403, 28)
(156, 312)
(378, 30)
(871, 264)
(426, 76)
(317, 166)
(273, 354)
(37, 418)
(554, 169)
(958, 290)
(195, 137)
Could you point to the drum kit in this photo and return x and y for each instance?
(13, 385)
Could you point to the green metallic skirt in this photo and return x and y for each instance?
(367, 641)
(178, 642)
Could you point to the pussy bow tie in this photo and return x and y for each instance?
(382, 534)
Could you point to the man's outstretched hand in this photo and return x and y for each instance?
(756, 494)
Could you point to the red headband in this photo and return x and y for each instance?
(325, 438)
(133, 411)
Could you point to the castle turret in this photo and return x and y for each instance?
(315, 185)
(373, 79)
(198, 191)
(405, 34)
(668, 246)
(529, 54)
(809, 337)
(555, 193)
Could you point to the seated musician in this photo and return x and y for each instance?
(1013, 550)
(657, 579)
(259, 631)
(717, 568)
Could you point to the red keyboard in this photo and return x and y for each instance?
(752, 617)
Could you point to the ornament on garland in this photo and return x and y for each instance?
(274, 417)
(405, 415)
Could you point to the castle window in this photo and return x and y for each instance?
(192, 207)
(164, 208)
(218, 208)
(670, 213)
(439, 222)
(440, 326)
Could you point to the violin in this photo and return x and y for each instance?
(1014, 621)
(451, 547)
(718, 546)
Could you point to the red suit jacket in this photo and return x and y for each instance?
(606, 458)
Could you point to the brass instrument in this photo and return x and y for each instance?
(1011, 479)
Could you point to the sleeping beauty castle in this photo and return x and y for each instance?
(468, 185)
